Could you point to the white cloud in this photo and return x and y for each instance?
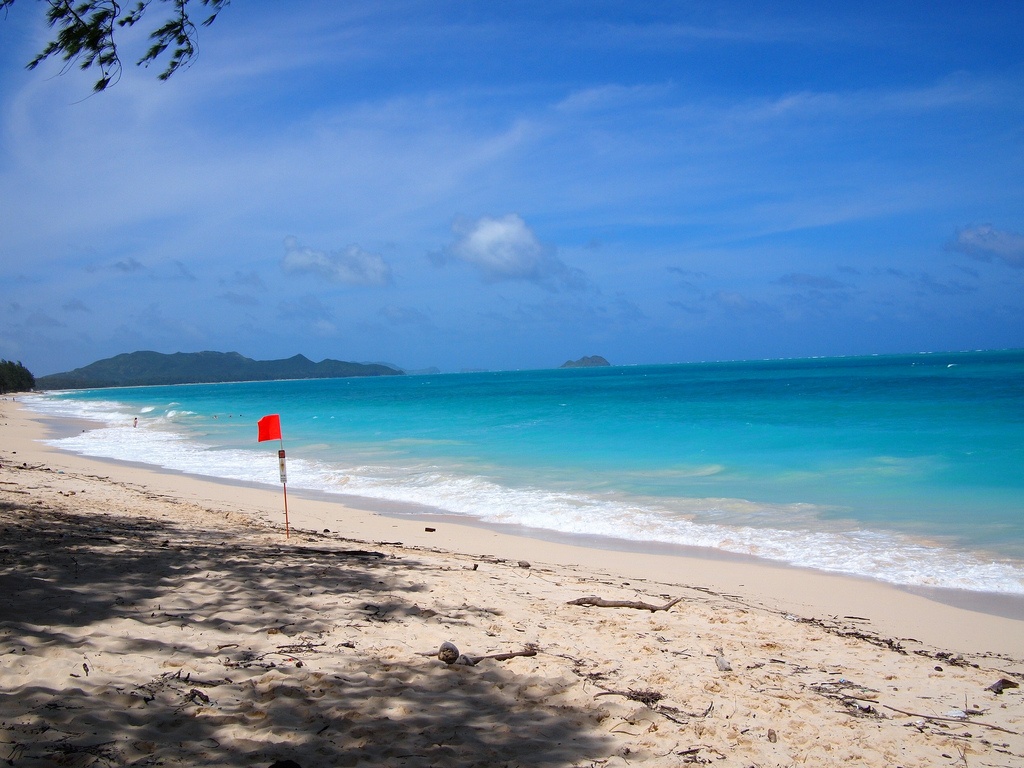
(507, 249)
(985, 242)
(612, 97)
(352, 266)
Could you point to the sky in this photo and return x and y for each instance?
(479, 185)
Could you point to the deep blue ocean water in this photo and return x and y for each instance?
(908, 469)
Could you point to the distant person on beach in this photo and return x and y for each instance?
(136, 422)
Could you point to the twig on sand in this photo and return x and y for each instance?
(648, 697)
(598, 602)
(652, 700)
(952, 720)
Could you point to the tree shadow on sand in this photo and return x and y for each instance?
(229, 685)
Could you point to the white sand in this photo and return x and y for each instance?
(148, 618)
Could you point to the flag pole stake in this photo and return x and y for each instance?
(284, 488)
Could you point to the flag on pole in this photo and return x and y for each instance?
(269, 428)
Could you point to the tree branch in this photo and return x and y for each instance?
(951, 720)
(85, 35)
(598, 602)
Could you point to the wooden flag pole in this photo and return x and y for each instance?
(284, 488)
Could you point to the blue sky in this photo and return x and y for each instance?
(496, 186)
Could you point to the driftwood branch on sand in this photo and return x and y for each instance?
(598, 602)
(450, 654)
(649, 697)
(961, 721)
(653, 700)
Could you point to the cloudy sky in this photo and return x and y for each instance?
(478, 185)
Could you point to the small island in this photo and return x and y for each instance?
(593, 361)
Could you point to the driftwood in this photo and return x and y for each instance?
(449, 654)
(952, 720)
(652, 700)
(336, 552)
(598, 602)
(648, 697)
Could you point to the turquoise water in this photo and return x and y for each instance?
(908, 469)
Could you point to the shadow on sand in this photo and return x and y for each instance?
(134, 641)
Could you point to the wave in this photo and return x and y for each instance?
(791, 534)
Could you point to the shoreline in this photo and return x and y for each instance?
(953, 563)
(937, 617)
(158, 618)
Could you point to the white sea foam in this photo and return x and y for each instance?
(885, 556)
(694, 522)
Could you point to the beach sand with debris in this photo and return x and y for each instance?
(150, 618)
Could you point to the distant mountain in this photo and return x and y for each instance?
(594, 361)
(135, 369)
(418, 372)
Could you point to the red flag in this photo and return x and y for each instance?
(270, 428)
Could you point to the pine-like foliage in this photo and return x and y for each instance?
(85, 33)
(15, 377)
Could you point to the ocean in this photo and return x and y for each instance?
(907, 469)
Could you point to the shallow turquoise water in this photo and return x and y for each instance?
(903, 468)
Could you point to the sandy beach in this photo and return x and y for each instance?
(150, 618)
